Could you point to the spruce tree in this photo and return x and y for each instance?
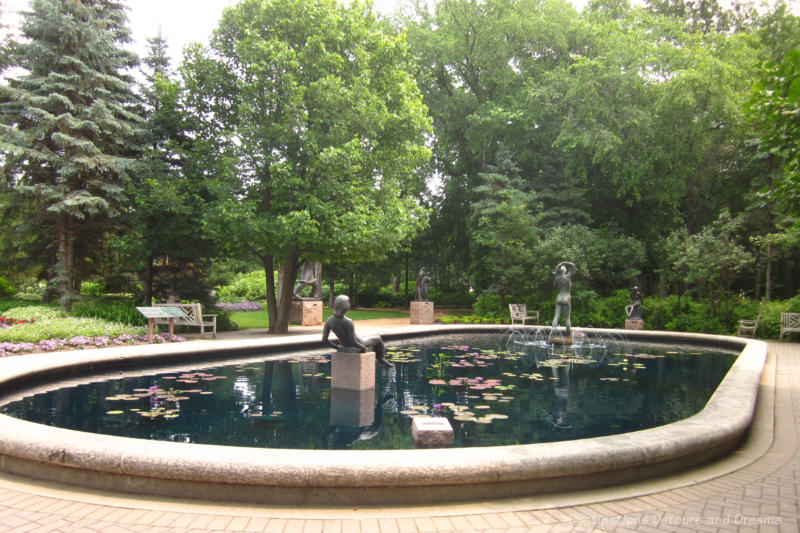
(67, 128)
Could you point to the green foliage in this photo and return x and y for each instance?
(316, 105)
(248, 286)
(66, 328)
(488, 305)
(123, 312)
(603, 258)
(710, 260)
(607, 312)
(472, 319)
(504, 229)
(6, 289)
(92, 289)
(67, 129)
(33, 312)
(775, 106)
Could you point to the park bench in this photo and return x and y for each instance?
(520, 312)
(789, 322)
(194, 317)
(748, 327)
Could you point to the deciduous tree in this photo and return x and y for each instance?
(317, 104)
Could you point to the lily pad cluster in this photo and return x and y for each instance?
(163, 403)
(403, 355)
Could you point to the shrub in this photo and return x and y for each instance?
(6, 289)
(488, 305)
(33, 312)
(111, 310)
(250, 286)
(608, 312)
(92, 289)
(473, 319)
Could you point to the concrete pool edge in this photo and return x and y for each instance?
(293, 477)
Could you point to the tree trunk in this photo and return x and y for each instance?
(407, 300)
(148, 281)
(759, 279)
(272, 306)
(65, 271)
(768, 288)
(280, 324)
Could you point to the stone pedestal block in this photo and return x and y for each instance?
(353, 370)
(352, 408)
(634, 323)
(422, 312)
(306, 312)
(431, 432)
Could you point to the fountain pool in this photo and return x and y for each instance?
(493, 390)
(284, 476)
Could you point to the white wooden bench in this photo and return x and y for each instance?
(194, 317)
(789, 322)
(748, 327)
(520, 312)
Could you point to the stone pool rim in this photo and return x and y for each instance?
(348, 477)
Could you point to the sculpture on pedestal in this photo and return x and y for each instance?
(343, 327)
(563, 282)
(634, 310)
(310, 274)
(423, 286)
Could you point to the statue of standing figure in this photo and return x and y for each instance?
(343, 327)
(563, 282)
(634, 310)
(311, 274)
(423, 286)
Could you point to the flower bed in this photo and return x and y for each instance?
(80, 342)
(240, 306)
(8, 322)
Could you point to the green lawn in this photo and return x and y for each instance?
(258, 319)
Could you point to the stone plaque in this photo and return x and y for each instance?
(431, 432)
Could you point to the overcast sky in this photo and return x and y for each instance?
(181, 21)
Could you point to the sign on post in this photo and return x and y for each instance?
(151, 313)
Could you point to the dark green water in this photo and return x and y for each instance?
(492, 396)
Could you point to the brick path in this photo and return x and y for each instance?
(756, 489)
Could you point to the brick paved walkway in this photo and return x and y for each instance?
(755, 489)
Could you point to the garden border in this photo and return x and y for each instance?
(336, 477)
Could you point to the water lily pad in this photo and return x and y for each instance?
(114, 412)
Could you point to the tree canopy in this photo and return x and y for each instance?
(317, 104)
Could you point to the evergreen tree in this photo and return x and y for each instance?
(67, 128)
(165, 242)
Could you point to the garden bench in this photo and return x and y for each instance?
(748, 327)
(520, 312)
(789, 322)
(194, 317)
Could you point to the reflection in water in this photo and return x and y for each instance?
(354, 417)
